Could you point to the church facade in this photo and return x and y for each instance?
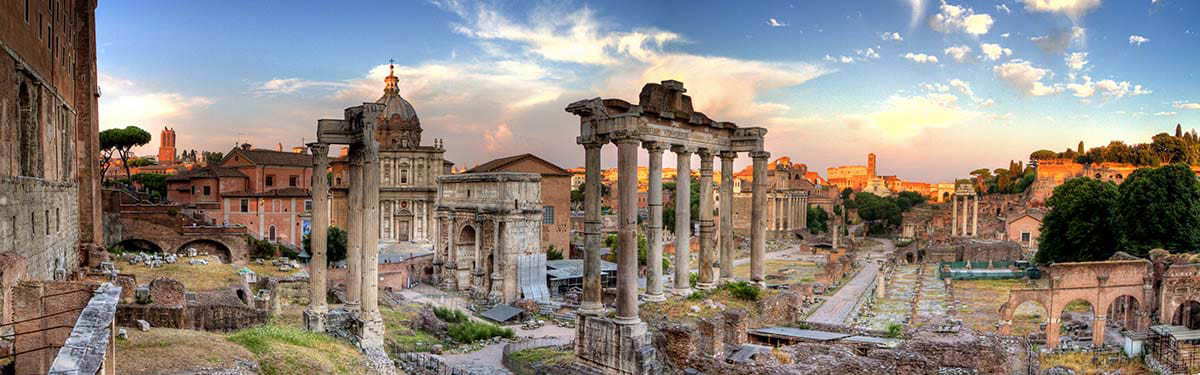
(409, 171)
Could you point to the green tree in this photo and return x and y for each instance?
(1160, 208)
(142, 162)
(818, 219)
(154, 183)
(1081, 224)
(335, 245)
(1043, 155)
(213, 158)
(880, 213)
(122, 142)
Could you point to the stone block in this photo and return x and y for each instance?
(143, 325)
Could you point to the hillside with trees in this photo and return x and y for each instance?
(1162, 149)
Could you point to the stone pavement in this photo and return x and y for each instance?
(838, 308)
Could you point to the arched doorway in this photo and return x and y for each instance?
(1124, 312)
(139, 246)
(208, 246)
(910, 258)
(1076, 320)
(404, 222)
(466, 247)
(1028, 318)
(1187, 314)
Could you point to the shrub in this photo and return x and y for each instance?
(894, 330)
(744, 290)
(472, 331)
(451, 316)
(553, 254)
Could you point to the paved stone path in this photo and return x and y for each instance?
(837, 308)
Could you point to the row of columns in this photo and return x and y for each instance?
(362, 257)
(627, 156)
(788, 212)
(970, 216)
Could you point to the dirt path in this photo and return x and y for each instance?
(837, 308)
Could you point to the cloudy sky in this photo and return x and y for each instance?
(935, 88)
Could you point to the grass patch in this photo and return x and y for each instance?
(198, 278)
(781, 271)
(401, 338)
(548, 356)
(451, 316)
(165, 350)
(471, 331)
(290, 350)
(1086, 363)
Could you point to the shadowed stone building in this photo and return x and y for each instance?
(556, 196)
(485, 221)
(49, 186)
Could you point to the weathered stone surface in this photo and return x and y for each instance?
(143, 325)
(167, 292)
(85, 349)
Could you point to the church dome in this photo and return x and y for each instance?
(394, 104)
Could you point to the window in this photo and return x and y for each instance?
(1025, 237)
(404, 176)
(57, 220)
(308, 205)
(207, 190)
(47, 222)
(26, 11)
(193, 189)
(547, 214)
(270, 180)
(271, 233)
(245, 205)
(293, 180)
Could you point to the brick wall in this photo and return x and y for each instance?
(39, 221)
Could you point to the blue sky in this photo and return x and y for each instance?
(935, 88)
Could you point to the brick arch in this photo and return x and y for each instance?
(223, 250)
(124, 243)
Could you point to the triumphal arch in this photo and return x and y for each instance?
(1121, 287)
(662, 120)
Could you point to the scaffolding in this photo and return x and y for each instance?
(1176, 347)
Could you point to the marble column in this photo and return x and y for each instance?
(314, 317)
(758, 235)
(370, 244)
(727, 240)
(965, 217)
(592, 303)
(627, 252)
(975, 218)
(354, 227)
(683, 219)
(654, 283)
(954, 215)
(448, 268)
(706, 279)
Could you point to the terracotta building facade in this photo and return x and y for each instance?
(49, 187)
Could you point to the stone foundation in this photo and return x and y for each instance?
(615, 348)
(39, 221)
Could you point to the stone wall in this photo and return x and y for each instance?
(39, 221)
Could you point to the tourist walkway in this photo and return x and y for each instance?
(840, 306)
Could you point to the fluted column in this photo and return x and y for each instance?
(965, 217)
(317, 265)
(627, 249)
(592, 303)
(975, 218)
(706, 279)
(354, 234)
(727, 240)
(654, 283)
(370, 244)
(758, 235)
(683, 219)
(954, 215)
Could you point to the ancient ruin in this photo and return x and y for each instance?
(663, 119)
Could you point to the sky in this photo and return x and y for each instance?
(935, 88)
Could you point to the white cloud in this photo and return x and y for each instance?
(1187, 105)
(1076, 60)
(125, 103)
(292, 85)
(891, 36)
(987, 103)
(903, 117)
(1110, 89)
(1005, 35)
(1137, 40)
(955, 18)
(1058, 42)
(939, 87)
(959, 53)
(1165, 113)
(921, 58)
(846, 60)
(1003, 8)
(994, 51)
(868, 53)
(1026, 78)
(495, 139)
(964, 88)
(1072, 8)
(775, 23)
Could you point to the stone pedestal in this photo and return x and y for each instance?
(315, 321)
(615, 348)
(371, 331)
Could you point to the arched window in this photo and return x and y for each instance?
(27, 128)
(271, 233)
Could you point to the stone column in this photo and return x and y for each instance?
(654, 283)
(954, 215)
(706, 279)
(758, 235)
(1052, 332)
(373, 329)
(627, 262)
(965, 217)
(727, 240)
(975, 218)
(314, 317)
(1098, 326)
(683, 219)
(592, 303)
(449, 278)
(354, 230)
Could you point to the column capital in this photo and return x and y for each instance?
(727, 155)
(760, 155)
(591, 142)
(682, 150)
(705, 153)
(625, 139)
(318, 149)
(655, 146)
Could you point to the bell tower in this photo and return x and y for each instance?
(166, 146)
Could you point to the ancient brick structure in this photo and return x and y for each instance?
(163, 228)
(49, 203)
(965, 224)
(487, 220)
(166, 146)
(663, 119)
(788, 191)
(556, 196)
